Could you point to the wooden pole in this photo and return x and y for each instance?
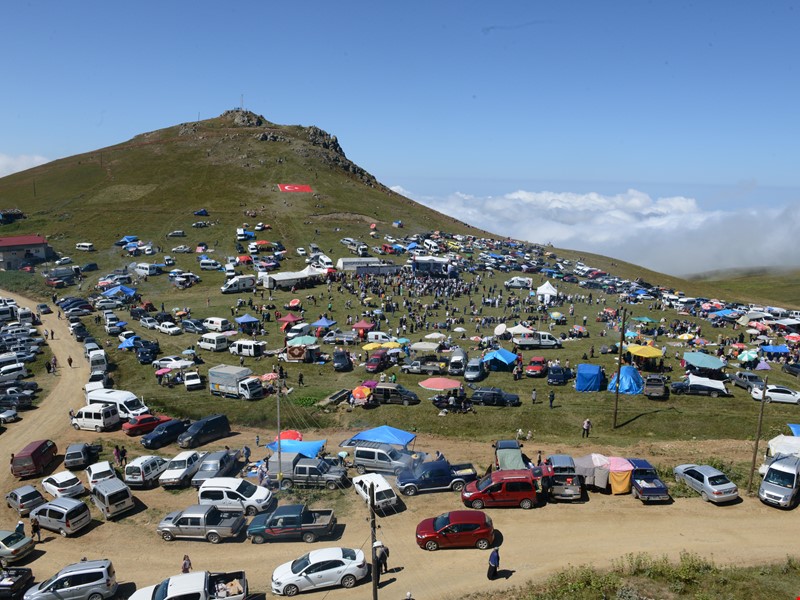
(372, 527)
(758, 436)
(619, 365)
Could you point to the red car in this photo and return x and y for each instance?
(143, 424)
(537, 367)
(456, 529)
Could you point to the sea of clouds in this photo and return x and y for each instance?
(674, 235)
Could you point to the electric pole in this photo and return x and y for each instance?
(619, 364)
(375, 565)
(758, 435)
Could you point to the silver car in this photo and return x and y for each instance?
(712, 484)
(24, 499)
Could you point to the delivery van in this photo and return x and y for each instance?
(96, 417)
(217, 324)
(84, 246)
(127, 404)
(216, 342)
(144, 269)
(34, 458)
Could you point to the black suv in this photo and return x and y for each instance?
(558, 375)
(492, 396)
(164, 434)
(341, 361)
(205, 430)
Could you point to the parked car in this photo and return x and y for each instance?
(98, 472)
(43, 309)
(791, 368)
(776, 393)
(169, 328)
(164, 434)
(148, 323)
(63, 485)
(537, 367)
(202, 521)
(698, 389)
(182, 249)
(712, 484)
(79, 456)
(747, 380)
(172, 362)
(320, 568)
(180, 469)
(655, 386)
(193, 326)
(24, 499)
(219, 463)
(14, 546)
(63, 515)
(456, 529)
(558, 375)
(85, 580)
(492, 396)
(142, 424)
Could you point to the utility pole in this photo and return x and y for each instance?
(619, 364)
(758, 436)
(280, 463)
(375, 565)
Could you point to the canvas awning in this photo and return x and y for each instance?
(702, 360)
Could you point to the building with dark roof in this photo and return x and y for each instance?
(17, 251)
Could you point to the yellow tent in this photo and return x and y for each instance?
(644, 351)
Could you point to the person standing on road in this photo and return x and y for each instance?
(382, 554)
(552, 398)
(117, 456)
(69, 361)
(35, 529)
(494, 564)
(186, 565)
(587, 426)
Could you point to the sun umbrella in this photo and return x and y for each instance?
(390, 345)
(739, 345)
(792, 337)
(403, 340)
(188, 352)
(555, 315)
(303, 340)
(752, 331)
(163, 371)
(459, 330)
(436, 335)
(361, 392)
(440, 383)
(686, 336)
(370, 346)
(290, 434)
(476, 338)
(580, 328)
(294, 303)
(748, 355)
(700, 342)
(500, 329)
(370, 383)
(269, 377)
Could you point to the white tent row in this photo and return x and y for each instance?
(546, 291)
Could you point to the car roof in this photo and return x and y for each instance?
(467, 516)
(63, 502)
(184, 455)
(708, 470)
(640, 463)
(326, 554)
(25, 489)
(226, 482)
(141, 459)
(86, 565)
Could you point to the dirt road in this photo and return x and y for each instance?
(534, 543)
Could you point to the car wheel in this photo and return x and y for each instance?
(309, 538)
(76, 426)
(95, 597)
(704, 496)
(214, 538)
(98, 429)
(405, 403)
(714, 394)
(482, 544)
(458, 486)
(287, 484)
(63, 532)
(635, 494)
(477, 504)
(167, 536)
(431, 545)
(331, 485)
(348, 581)
(258, 539)
(410, 490)
(290, 590)
(360, 469)
(526, 503)
(251, 511)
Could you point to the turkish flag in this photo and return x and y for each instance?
(286, 187)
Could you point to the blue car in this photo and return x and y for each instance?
(164, 434)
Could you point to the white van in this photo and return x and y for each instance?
(126, 402)
(112, 497)
(217, 324)
(431, 246)
(248, 348)
(91, 386)
(13, 372)
(216, 342)
(85, 246)
(385, 496)
(98, 360)
(96, 417)
(143, 269)
(144, 471)
(8, 358)
(298, 330)
(209, 265)
(231, 493)
(378, 337)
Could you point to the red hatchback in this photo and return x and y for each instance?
(143, 424)
(456, 529)
(537, 367)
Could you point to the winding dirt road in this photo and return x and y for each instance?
(534, 544)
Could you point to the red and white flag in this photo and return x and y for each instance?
(287, 187)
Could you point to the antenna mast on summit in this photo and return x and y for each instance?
(241, 102)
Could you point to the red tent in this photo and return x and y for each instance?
(290, 318)
(362, 324)
(244, 259)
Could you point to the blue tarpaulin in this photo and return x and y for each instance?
(630, 382)
(128, 343)
(782, 349)
(119, 290)
(795, 428)
(386, 435)
(588, 378)
(309, 449)
(246, 319)
(500, 359)
(702, 360)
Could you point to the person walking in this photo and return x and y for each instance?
(186, 565)
(494, 564)
(123, 456)
(69, 361)
(382, 554)
(116, 454)
(552, 398)
(36, 530)
(533, 396)
(301, 382)
(587, 427)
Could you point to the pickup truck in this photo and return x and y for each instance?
(15, 581)
(200, 585)
(645, 483)
(296, 470)
(203, 522)
(337, 336)
(290, 522)
(434, 476)
(417, 367)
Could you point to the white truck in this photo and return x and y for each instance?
(234, 382)
(200, 585)
(784, 445)
(240, 283)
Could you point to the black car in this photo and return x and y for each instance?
(89, 267)
(163, 317)
(164, 434)
(21, 385)
(193, 326)
(13, 400)
(81, 333)
(148, 344)
(146, 356)
(558, 375)
(791, 369)
(697, 389)
(492, 396)
(137, 312)
(341, 361)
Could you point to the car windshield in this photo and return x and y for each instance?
(160, 591)
(394, 454)
(133, 404)
(177, 464)
(780, 478)
(441, 522)
(68, 482)
(300, 564)
(210, 466)
(12, 540)
(246, 489)
(348, 553)
(718, 480)
(484, 483)
(102, 474)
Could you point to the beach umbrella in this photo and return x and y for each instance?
(459, 330)
(700, 341)
(439, 384)
(500, 329)
(362, 392)
(403, 340)
(792, 337)
(370, 383)
(370, 346)
(269, 377)
(290, 434)
(476, 338)
(555, 315)
(752, 331)
(390, 345)
(686, 336)
(748, 355)
(436, 335)
(163, 371)
(295, 303)
(303, 340)
(739, 345)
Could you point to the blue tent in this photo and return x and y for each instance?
(702, 360)
(412, 245)
(323, 322)
(386, 435)
(119, 290)
(782, 349)
(588, 378)
(630, 382)
(128, 343)
(246, 319)
(500, 359)
(309, 449)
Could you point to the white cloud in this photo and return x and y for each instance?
(12, 164)
(673, 235)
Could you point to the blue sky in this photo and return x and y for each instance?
(591, 125)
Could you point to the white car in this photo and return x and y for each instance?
(63, 484)
(182, 249)
(104, 303)
(192, 381)
(169, 328)
(777, 393)
(301, 252)
(64, 260)
(180, 469)
(318, 569)
(77, 312)
(98, 472)
(148, 323)
(172, 362)
(260, 227)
